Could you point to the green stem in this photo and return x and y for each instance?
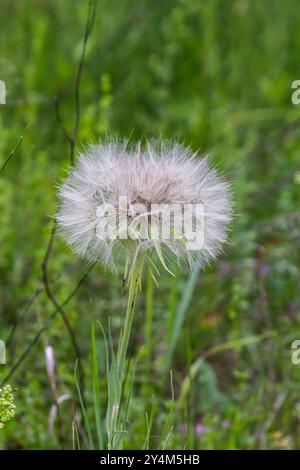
(149, 318)
(134, 285)
(117, 375)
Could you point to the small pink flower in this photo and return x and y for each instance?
(200, 429)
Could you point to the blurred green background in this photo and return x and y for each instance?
(217, 76)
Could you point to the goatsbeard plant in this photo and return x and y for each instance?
(130, 206)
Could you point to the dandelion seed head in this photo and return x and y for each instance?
(141, 184)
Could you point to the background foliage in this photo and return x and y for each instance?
(217, 75)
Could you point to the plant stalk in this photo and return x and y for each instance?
(117, 417)
(134, 282)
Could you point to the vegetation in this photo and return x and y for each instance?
(210, 351)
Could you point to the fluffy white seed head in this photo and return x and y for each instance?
(141, 184)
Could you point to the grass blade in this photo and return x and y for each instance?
(96, 388)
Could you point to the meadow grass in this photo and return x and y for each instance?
(210, 353)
